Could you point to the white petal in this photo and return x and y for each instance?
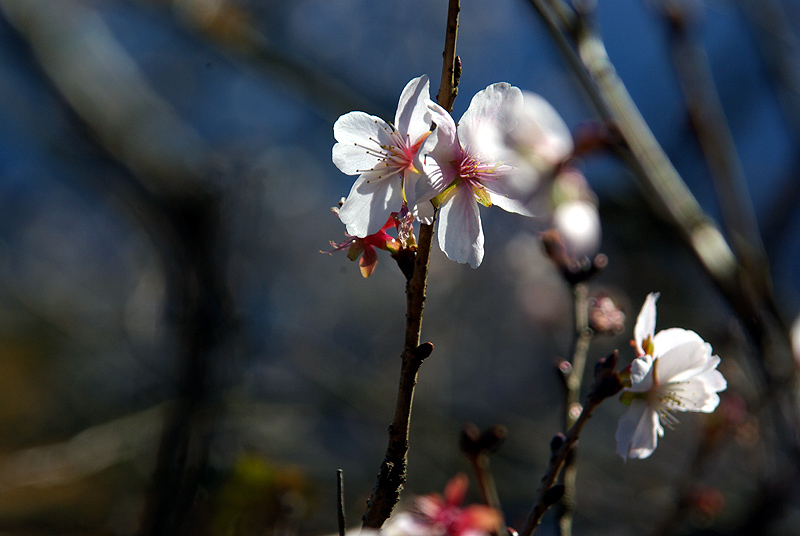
(360, 136)
(444, 148)
(419, 188)
(504, 197)
(423, 212)
(413, 117)
(667, 339)
(460, 232)
(638, 431)
(370, 204)
(712, 377)
(698, 394)
(540, 132)
(492, 113)
(682, 362)
(578, 222)
(642, 374)
(646, 321)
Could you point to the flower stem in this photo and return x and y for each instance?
(392, 474)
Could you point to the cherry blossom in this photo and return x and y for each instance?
(674, 371)
(387, 159)
(434, 515)
(466, 166)
(365, 247)
(541, 141)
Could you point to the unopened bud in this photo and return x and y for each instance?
(556, 442)
(424, 350)
(553, 495)
(607, 379)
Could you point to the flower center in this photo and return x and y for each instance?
(393, 158)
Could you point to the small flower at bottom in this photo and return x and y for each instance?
(434, 515)
(365, 247)
(674, 371)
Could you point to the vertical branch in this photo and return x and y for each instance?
(451, 66)
(200, 320)
(340, 502)
(392, 474)
(572, 407)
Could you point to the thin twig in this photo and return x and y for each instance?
(340, 502)
(448, 89)
(583, 336)
(392, 474)
(606, 385)
(477, 447)
(780, 50)
(716, 141)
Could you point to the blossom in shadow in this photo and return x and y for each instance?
(674, 371)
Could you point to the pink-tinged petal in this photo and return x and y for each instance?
(641, 371)
(667, 339)
(359, 136)
(370, 204)
(492, 113)
(412, 117)
(368, 262)
(480, 519)
(460, 232)
(638, 431)
(445, 148)
(646, 321)
(456, 489)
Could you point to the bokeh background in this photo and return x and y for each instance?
(165, 185)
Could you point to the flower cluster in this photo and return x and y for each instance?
(674, 371)
(497, 153)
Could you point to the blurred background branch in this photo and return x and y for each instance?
(165, 180)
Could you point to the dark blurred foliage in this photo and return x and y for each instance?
(165, 184)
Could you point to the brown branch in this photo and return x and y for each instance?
(392, 474)
(583, 337)
(607, 384)
(716, 141)
(451, 66)
(342, 524)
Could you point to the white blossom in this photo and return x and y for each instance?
(674, 371)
